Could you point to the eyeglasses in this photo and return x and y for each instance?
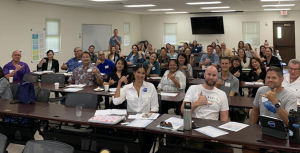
(165, 124)
(293, 69)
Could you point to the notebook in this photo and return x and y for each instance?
(106, 119)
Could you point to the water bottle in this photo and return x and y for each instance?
(294, 127)
(187, 116)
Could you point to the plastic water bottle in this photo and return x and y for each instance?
(294, 127)
(187, 116)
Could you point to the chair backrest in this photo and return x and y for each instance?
(31, 77)
(14, 90)
(86, 100)
(159, 104)
(42, 95)
(3, 141)
(47, 146)
(53, 78)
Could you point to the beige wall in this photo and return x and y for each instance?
(152, 27)
(18, 17)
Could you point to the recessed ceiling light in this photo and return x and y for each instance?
(203, 3)
(277, 0)
(279, 5)
(160, 9)
(143, 5)
(175, 12)
(224, 11)
(221, 7)
(281, 9)
(106, 0)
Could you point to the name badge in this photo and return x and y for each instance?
(293, 90)
(196, 49)
(10, 71)
(79, 61)
(227, 84)
(153, 68)
(89, 70)
(145, 89)
(106, 67)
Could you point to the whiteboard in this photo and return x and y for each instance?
(97, 35)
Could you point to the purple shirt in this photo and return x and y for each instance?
(19, 75)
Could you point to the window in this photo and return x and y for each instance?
(251, 33)
(170, 33)
(53, 35)
(278, 32)
(126, 34)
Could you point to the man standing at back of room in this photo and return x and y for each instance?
(16, 68)
(74, 62)
(227, 82)
(94, 57)
(114, 40)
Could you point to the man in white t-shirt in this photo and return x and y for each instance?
(207, 100)
(291, 80)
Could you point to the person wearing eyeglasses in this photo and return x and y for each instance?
(74, 62)
(291, 80)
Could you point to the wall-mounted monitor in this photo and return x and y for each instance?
(207, 25)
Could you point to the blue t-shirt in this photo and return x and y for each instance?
(214, 59)
(155, 69)
(197, 49)
(106, 67)
(73, 63)
(113, 42)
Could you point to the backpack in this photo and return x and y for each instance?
(26, 93)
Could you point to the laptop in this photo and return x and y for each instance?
(273, 127)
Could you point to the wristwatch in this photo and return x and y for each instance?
(278, 105)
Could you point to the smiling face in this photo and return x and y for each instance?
(273, 80)
(153, 58)
(185, 45)
(187, 52)
(163, 52)
(241, 53)
(223, 46)
(218, 49)
(172, 49)
(211, 76)
(173, 66)
(268, 52)
(210, 51)
(77, 53)
(168, 46)
(181, 60)
(195, 43)
(241, 44)
(91, 50)
(16, 56)
(86, 59)
(120, 65)
(101, 56)
(294, 70)
(247, 46)
(255, 64)
(50, 55)
(236, 63)
(262, 49)
(113, 49)
(149, 47)
(117, 47)
(140, 74)
(225, 65)
(115, 32)
(134, 49)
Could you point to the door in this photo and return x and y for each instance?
(284, 39)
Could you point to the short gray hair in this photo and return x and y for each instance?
(294, 61)
(77, 48)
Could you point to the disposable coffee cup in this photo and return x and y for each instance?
(106, 87)
(203, 67)
(11, 79)
(56, 85)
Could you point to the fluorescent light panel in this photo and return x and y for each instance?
(224, 11)
(175, 12)
(281, 9)
(142, 5)
(279, 5)
(160, 9)
(105, 0)
(278, 0)
(203, 3)
(220, 7)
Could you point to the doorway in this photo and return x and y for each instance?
(284, 39)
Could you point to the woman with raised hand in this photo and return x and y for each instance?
(49, 63)
(185, 66)
(189, 56)
(250, 52)
(245, 62)
(141, 96)
(168, 47)
(119, 50)
(257, 73)
(112, 55)
(152, 66)
(172, 54)
(241, 44)
(270, 59)
(163, 59)
(135, 57)
(149, 50)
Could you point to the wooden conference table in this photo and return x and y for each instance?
(247, 136)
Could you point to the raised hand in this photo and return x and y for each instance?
(237, 74)
(111, 81)
(123, 79)
(192, 55)
(171, 76)
(271, 96)
(162, 65)
(184, 68)
(219, 83)
(94, 70)
(207, 60)
(150, 65)
(233, 48)
(202, 100)
(18, 67)
(43, 61)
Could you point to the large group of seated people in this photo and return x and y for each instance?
(209, 100)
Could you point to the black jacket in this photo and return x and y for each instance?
(55, 65)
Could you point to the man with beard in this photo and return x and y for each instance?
(207, 100)
(280, 100)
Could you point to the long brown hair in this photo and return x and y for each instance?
(232, 69)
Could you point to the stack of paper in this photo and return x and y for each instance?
(67, 74)
(233, 126)
(39, 72)
(139, 123)
(112, 89)
(140, 116)
(155, 77)
(168, 94)
(47, 72)
(211, 131)
(118, 112)
(249, 83)
(258, 83)
(106, 119)
(76, 86)
(72, 89)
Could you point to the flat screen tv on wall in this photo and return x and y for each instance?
(207, 25)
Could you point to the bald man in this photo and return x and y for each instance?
(16, 68)
(226, 51)
(207, 100)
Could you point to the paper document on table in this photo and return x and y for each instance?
(168, 94)
(72, 89)
(249, 83)
(76, 86)
(176, 123)
(67, 74)
(258, 83)
(47, 72)
(144, 116)
(139, 123)
(155, 77)
(118, 112)
(112, 89)
(211, 131)
(233, 126)
(39, 73)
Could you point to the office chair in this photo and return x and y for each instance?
(42, 95)
(3, 143)
(14, 90)
(54, 78)
(31, 77)
(87, 100)
(47, 146)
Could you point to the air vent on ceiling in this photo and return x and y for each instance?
(116, 3)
